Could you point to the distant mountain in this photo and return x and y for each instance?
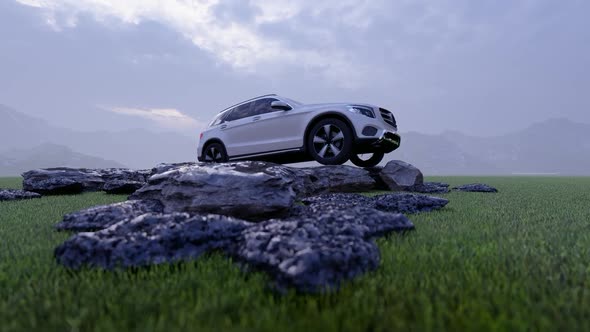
(555, 146)
(136, 148)
(17, 161)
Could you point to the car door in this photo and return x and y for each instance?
(274, 129)
(236, 135)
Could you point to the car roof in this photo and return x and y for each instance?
(251, 99)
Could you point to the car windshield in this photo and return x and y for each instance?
(217, 119)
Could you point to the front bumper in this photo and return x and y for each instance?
(387, 142)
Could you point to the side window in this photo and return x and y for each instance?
(262, 106)
(240, 112)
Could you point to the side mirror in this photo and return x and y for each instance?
(280, 105)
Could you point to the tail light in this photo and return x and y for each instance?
(201, 136)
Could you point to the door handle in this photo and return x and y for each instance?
(256, 118)
(223, 126)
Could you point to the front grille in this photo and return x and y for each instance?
(388, 117)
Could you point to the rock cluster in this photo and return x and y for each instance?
(185, 210)
(303, 226)
(16, 194)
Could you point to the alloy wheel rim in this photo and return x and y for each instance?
(328, 141)
(213, 154)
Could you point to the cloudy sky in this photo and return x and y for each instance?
(481, 67)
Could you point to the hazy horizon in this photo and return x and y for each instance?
(481, 68)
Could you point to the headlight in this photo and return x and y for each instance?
(362, 110)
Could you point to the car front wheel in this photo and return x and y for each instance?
(215, 153)
(373, 159)
(330, 142)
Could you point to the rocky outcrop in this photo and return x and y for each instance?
(62, 180)
(307, 253)
(104, 216)
(150, 239)
(16, 194)
(249, 190)
(476, 187)
(399, 175)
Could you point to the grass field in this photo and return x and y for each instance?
(518, 260)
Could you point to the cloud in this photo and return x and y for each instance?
(164, 117)
(347, 42)
(238, 43)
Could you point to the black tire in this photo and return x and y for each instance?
(332, 147)
(375, 159)
(215, 153)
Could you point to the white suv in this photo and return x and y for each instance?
(278, 129)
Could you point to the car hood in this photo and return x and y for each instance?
(327, 105)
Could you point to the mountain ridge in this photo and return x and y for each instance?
(553, 146)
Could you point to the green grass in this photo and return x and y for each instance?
(518, 260)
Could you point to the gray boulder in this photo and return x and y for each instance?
(104, 216)
(476, 187)
(62, 180)
(338, 178)
(249, 190)
(150, 239)
(15, 194)
(408, 203)
(399, 175)
(317, 253)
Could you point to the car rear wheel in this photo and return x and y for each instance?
(361, 160)
(330, 142)
(215, 153)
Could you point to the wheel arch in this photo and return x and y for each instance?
(209, 142)
(327, 115)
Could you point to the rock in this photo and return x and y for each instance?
(408, 203)
(317, 253)
(101, 217)
(62, 180)
(150, 239)
(249, 189)
(122, 186)
(165, 167)
(338, 201)
(476, 187)
(399, 175)
(430, 188)
(123, 180)
(338, 178)
(124, 174)
(396, 203)
(15, 194)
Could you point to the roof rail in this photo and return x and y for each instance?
(245, 101)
